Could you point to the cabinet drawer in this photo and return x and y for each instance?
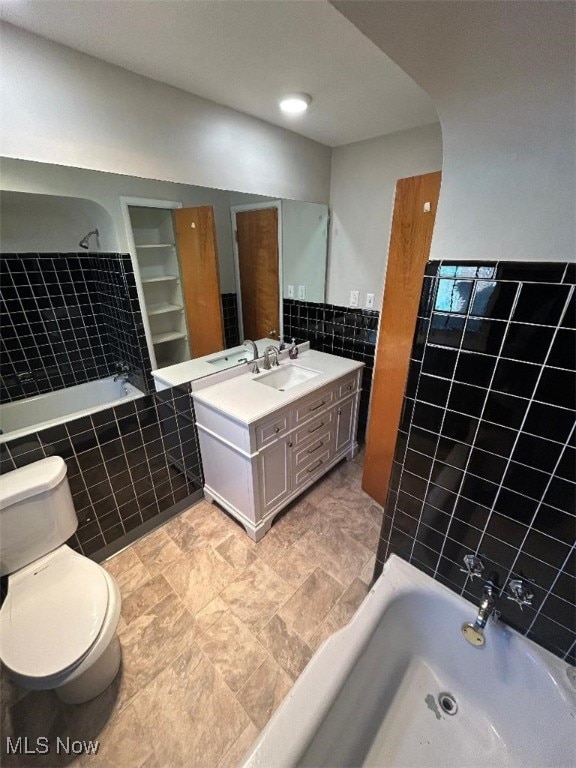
(314, 467)
(313, 407)
(347, 387)
(308, 454)
(268, 432)
(312, 428)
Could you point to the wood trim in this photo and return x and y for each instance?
(195, 230)
(409, 251)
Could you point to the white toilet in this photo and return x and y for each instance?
(59, 618)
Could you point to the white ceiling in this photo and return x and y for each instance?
(244, 54)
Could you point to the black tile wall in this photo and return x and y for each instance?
(230, 317)
(126, 465)
(68, 318)
(485, 455)
(340, 331)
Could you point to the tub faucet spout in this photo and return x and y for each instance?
(474, 631)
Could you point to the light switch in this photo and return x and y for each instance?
(427, 207)
(354, 297)
(290, 291)
(301, 292)
(369, 301)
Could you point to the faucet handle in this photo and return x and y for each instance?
(520, 592)
(474, 565)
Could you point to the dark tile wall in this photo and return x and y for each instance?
(68, 318)
(230, 317)
(485, 457)
(121, 316)
(126, 465)
(340, 331)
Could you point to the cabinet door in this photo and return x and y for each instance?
(345, 424)
(274, 465)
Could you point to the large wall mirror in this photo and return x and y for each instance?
(195, 254)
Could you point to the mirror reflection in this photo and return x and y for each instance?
(207, 269)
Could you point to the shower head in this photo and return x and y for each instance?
(85, 242)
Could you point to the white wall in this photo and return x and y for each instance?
(501, 75)
(364, 177)
(64, 107)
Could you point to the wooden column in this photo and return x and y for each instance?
(409, 251)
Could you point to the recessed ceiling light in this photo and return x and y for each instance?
(295, 103)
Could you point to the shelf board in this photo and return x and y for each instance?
(161, 309)
(156, 245)
(160, 338)
(160, 279)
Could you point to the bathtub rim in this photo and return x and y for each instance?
(134, 394)
(290, 730)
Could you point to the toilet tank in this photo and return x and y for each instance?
(36, 513)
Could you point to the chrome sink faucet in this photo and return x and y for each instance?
(274, 350)
(254, 348)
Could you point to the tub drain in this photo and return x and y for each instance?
(448, 703)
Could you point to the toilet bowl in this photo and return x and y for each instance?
(58, 621)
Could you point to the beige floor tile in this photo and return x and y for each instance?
(145, 597)
(311, 602)
(236, 753)
(264, 691)
(272, 547)
(132, 579)
(211, 613)
(340, 614)
(256, 595)
(285, 646)
(319, 490)
(182, 533)
(236, 552)
(349, 516)
(157, 550)
(199, 576)
(341, 556)
(232, 649)
(215, 526)
(294, 567)
(123, 742)
(121, 562)
(152, 640)
(367, 573)
(192, 710)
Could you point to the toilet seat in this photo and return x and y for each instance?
(53, 614)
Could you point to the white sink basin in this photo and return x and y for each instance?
(286, 376)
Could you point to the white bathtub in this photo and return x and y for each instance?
(23, 417)
(371, 695)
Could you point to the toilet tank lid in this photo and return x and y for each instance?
(21, 484)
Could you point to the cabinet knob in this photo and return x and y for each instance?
(339, 412)
(289, 445)
(276, 429)
(349, 386)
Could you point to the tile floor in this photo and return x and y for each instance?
(215, 629)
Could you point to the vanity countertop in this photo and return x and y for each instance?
(245, 400)
(180, 373)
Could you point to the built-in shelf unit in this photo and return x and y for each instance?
(159, 270)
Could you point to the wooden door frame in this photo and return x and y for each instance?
(257, 207)
(142, 202)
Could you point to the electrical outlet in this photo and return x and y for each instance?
(302, 292)
(369, 301)
(354, 298)
(290, 291)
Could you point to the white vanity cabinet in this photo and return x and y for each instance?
(255, 469)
